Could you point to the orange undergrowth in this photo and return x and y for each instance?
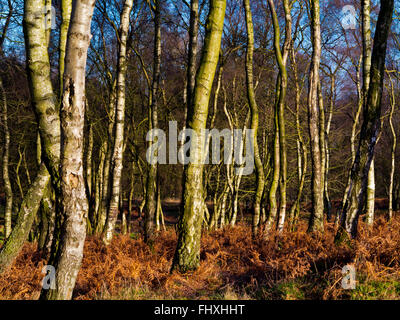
(232, 265)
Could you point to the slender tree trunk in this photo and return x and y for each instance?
(322, 139)
(187, 254)
(74, 206)
(117, 157)
(150, 204)
(237, 180)
(327, 200)
(98, 184)
(317, 215)
(367, 50)
(393, 153)
(66, 8)
(106, 184)
(88, 157)
(254, 118)
(301, 150)
(6, 25)
(6, 178)
(281, 58)
(273, 205)
(193, 45)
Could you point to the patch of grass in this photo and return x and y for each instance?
(292, 290)
(376, 290)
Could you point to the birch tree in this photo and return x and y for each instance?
(45, 108)
(316, 222)
(254, 117)
(74, 206)
(393, 149)
(281, 58)
(6, 177)
(187, 254)
(117, 157)
(151, 192)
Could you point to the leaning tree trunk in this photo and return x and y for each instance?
(6, 178)
(353, 137)
(317, 191)
(117, 157)
(44, 102)
(74, 206)
(371, 125)
(30, 205)
(187, 254)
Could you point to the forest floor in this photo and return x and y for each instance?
(292, 265)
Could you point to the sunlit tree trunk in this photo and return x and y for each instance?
(117, 158)
(317, 214)
(88, 157)
(74, 206)
(281, 58)
(27, 212)
(367, 50)
(187, 254)
(254, 121)
(393, 151)
(370, 205)
(322, 139)
(6, 178)
(327, 129)
(44, 102)
(66, 8)
(273, 205)
(98, 187)
(105, 185)
(236, 181)
(301, 150)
